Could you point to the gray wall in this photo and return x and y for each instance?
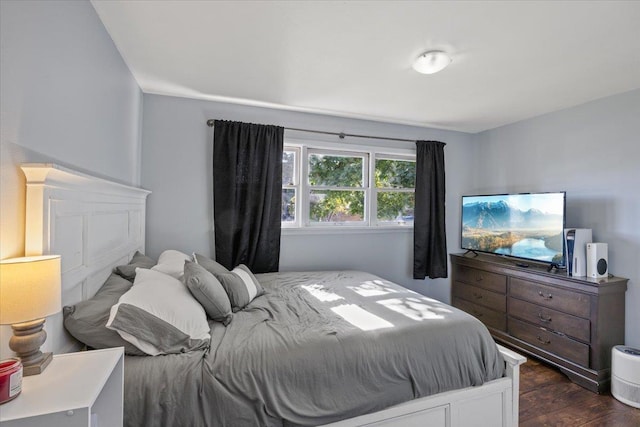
(66, 97)
(177, 150)
(593, 152)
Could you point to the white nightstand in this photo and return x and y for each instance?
(76, 390)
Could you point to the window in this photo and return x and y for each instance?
(289, 185)
(337, 185)
(329, 187)
(395, 193)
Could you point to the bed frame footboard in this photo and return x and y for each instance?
(495, 403)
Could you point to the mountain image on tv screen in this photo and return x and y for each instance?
(521, 225)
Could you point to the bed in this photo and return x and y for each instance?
(356, 352)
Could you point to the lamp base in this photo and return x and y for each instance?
(37, 368)
(26, 341)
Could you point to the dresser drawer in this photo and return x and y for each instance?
(480, 296)
(492, 281)
(546, 340)
(566, 301)
(575, 327)
(491, 318)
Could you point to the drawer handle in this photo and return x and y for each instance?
(479, 278)
(544, 318)
(543, 341)
(547, 296)
(477, 295)
(478, 315)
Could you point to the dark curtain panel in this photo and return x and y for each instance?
(247, 194)
(429, 233)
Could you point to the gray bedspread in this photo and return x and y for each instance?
(316, 348)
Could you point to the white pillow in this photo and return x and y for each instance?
(159, 315)
(171, 262)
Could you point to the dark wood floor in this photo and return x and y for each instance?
(549, 398)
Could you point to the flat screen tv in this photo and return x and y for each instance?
(528, 226)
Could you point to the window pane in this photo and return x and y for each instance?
(288, 167)
(338, 171)
(395, 173)
(336, 206)
(288, 205)
(396, 206)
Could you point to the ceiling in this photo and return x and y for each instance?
(511, 60)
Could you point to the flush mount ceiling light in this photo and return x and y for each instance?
(431, 62)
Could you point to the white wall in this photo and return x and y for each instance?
(177, 167)
(593, 152)
(66, 97)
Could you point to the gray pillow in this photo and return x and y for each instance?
(241, 285)
(140, 260)
(86, 320)
(208, 291)
(210, 265)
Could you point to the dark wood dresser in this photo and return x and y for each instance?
(568, 322)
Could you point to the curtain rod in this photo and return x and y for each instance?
(340, 135)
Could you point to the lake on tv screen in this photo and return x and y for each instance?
(530, 248)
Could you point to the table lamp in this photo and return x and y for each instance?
(30, 290)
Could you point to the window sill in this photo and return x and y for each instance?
(345, 229)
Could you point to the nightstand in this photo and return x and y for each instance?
(81, 389)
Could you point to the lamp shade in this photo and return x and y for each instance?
(30, 288)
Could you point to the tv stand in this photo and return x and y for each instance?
(569, 322)
(553, 266)
(475, 254)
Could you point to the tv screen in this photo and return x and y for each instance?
(528, 226)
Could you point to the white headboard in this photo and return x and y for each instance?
(93, 223)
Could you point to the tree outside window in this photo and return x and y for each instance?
(395, 183)
(337, 187)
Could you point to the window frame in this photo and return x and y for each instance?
(376, 189)
(365, 188)
(295, 186)
(370, 223)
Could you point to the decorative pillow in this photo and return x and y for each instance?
(86, 320)
(159, 316)
(139, 260)
(208, 291)
(171, 262)
(240, 284)
(210, 265)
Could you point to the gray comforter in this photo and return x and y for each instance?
(317, 347)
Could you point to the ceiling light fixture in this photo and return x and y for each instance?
(431, 62)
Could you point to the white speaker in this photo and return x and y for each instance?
(575, 244)
(625, 375)
(597, 260)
